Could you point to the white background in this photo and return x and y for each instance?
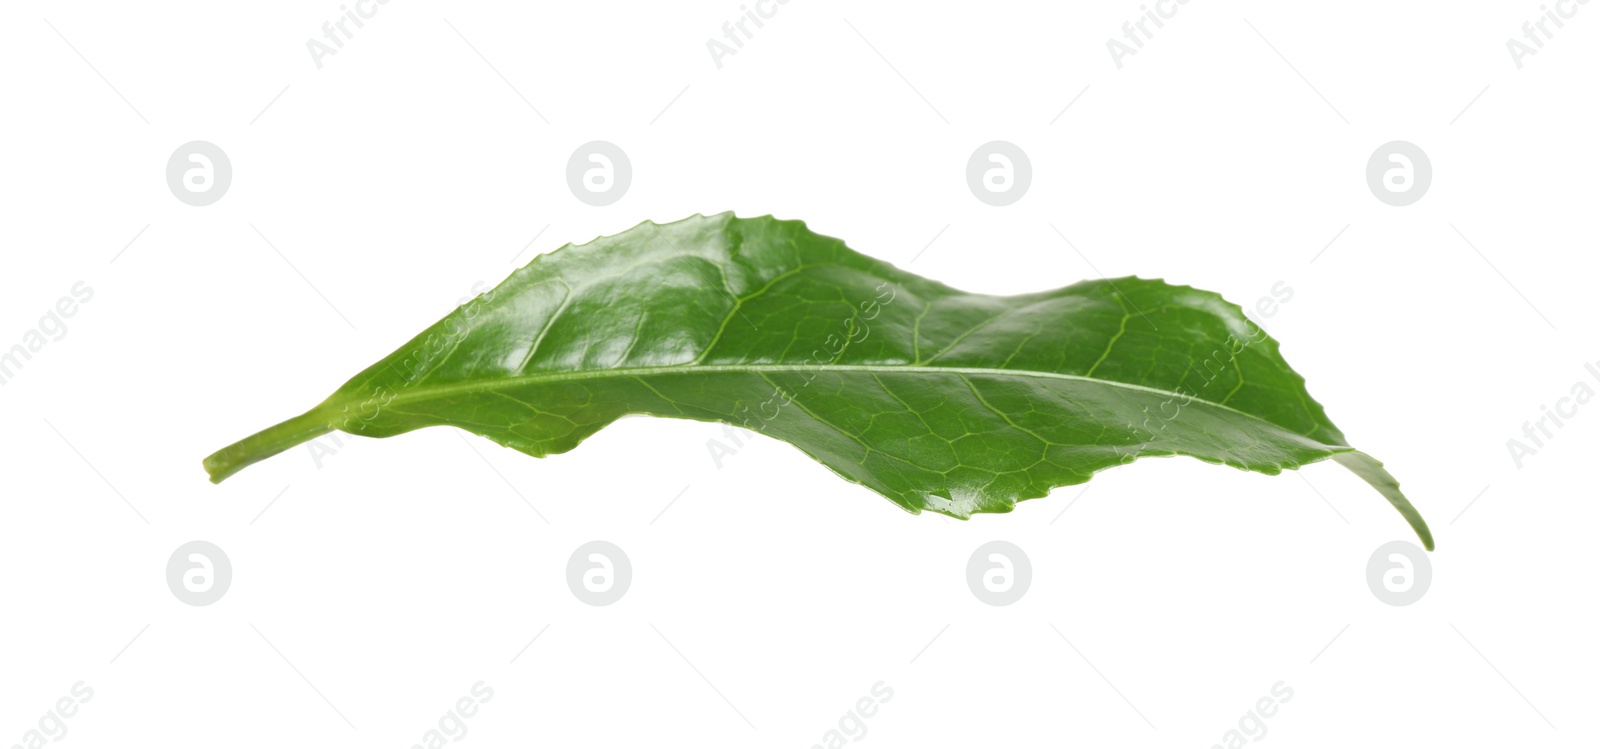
(770, 596)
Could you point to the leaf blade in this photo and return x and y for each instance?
(984, 401)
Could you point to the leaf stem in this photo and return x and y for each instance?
(266, 443)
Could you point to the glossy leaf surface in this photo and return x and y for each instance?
(935, 398)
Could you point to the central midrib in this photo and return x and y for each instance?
(430, 392)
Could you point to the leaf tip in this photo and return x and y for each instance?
(1371, 471)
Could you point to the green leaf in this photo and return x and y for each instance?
(935, 398)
